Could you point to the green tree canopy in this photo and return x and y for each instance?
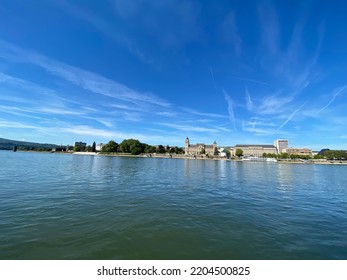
(110, 147)
(132, 146)
(239, 152)
(335, 154)
(149, 149)
(161, 149)
(225, 150)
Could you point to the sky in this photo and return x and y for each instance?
(234, 72)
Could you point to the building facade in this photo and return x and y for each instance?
(98, 147)
(298, 151)
(254, 150)
(199, 148)
(281, 145)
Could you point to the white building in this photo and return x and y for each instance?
(98, 147)
(281, 145)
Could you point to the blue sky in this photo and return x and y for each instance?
(159, 71)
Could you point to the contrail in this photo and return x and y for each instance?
(230, 108)
(249, 101)
(291, 116)
(333, 98)
(214, 81)
(251, 80)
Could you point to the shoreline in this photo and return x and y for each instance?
(175, 156)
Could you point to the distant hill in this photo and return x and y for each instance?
(7, 144)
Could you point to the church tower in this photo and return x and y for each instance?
(215, 148)
(186, 147)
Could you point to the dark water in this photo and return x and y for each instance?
(56, 206)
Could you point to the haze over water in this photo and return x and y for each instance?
(56, 206)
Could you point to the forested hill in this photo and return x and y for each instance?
(7, 144)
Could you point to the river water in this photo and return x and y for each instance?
(58, 206)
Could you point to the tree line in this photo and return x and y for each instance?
(135, 147)
(286, 156)
(323, 154)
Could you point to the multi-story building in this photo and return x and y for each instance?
(199, 148)
(281, 145)
(255, 150)
(298, 151)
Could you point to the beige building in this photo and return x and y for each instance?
(199, 148)
(298, 151)
(255, 150)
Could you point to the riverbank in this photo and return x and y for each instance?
(176, 156)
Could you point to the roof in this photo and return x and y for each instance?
(255, 146)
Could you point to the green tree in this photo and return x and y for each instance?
(149, 149)
(77, 148)
(88, 148)
(284, 155)
(202, 152)
(239, 152)
(110, 147)
(225, 150)
(161, 149)
(94, 147)
(132, 146)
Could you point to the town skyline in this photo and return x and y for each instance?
(160, 71)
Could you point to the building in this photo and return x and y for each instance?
(80, 146)
(98, 147)
(281, 145)
(60, 149)
(254, 150)
(298, 151)
(199, 148)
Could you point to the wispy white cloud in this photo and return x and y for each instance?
(183, 13)
(87, 80)
(291, 116)
(230, 108)
(191, 128)
(89, 131)
(197, 113)
(167, 114)
(213, 80)
(274, 104)
(270, 27)
(249, 102)
(154, 137)
(251, 80)
(259, 131)
(336, 93)
(231, 34)
(13, 124)
(58, 111)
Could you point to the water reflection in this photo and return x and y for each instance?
(284, 177)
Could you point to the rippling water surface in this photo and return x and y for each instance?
(56, 206)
